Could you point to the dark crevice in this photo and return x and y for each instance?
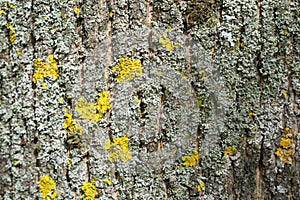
(260, 167)
(258, 60)
(88, 165)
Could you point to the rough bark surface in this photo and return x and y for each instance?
(215, 113)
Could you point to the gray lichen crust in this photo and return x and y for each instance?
(141, 99)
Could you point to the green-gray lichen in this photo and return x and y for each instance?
(210, 116)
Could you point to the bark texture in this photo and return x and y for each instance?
(215, 113)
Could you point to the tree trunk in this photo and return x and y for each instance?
(141, 99)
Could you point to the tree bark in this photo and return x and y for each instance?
(214, 114)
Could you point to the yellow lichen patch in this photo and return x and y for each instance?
(61, 100)
(47, 188)
(111, 14)
(102, 104)
(71, 125)
(18, 51)
(12, 34)
(285, 151)
(76, 11)
(284, 93)
(183, 75)
(199, 100)
(201, 187)
(118, 149)
(47, 69)
(285, 155)
(2, 12)
(190, 161)
(12, 6)
(202, 71)
(288, 132)
(7, 5)
(87, 110)
(286, 32)
(44, 86)
(166, 42)
(174, 191)
(89, 190)
(137, 101)
(127, 69)
(107, 181)
(285, 143)
(93, 111)
(251, 114)
(230, 151)
(213, 51)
